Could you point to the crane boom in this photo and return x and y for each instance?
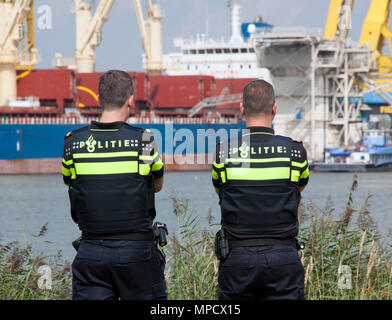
(375, 32)
(151, 33)
(338, 20)
(88, 32)
(13, 15)
(142, 26)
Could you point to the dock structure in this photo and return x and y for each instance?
(318, 85)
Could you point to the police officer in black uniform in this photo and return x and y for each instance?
(259, 177)
(111, 168)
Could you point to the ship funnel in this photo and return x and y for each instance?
(236, 8)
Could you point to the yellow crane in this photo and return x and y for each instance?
(151, 32)
(376, 33)
(338, 20)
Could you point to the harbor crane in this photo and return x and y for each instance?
(17, 51)
(376, 33)
(88, 35)
(338, 20)
(151, 33)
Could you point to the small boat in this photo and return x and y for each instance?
(373, 155)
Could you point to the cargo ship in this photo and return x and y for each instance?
(52, 102)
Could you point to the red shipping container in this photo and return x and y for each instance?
(168, 92)
(231, 86)
(51, 87)
(87, 85)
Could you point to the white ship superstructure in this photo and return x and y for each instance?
(222, 58)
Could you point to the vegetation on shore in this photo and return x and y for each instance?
(22, 273)
(345, 257)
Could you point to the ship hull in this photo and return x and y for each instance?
(37, 149)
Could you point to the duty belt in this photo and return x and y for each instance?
(135, 236)
(261, 242)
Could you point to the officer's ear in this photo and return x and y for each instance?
(131, 105)
(274, 109)
(242, 109)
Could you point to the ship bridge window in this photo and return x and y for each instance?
(218, 50)
(210, 51)
(186, 51)
(226, 50)
(235, 50)
(251, 50)
(202, 51)
(244, 50)
(193, 51)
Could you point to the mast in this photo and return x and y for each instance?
(236, 8)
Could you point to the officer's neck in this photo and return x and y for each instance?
(258, 122)
(109, 116)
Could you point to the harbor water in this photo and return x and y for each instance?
(27, 202)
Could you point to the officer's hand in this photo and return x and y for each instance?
(158, 184)
(300, 189)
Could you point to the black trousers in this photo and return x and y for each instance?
(262, 272)
(118, 269)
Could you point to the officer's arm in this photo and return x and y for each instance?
(217, 167)
(157, 169)
(304, 173)
(67, 162)
(158, 185)
(151, 157)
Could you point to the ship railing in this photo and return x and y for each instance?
(289, 32)
(135, 120)
(45, 120)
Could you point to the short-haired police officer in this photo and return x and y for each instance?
(259, 177)
(110, 167)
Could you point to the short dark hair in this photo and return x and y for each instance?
(115, 88)
(258, 98)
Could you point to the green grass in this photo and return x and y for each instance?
(19, 273)
(347, 239)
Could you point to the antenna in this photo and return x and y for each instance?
(207, 9)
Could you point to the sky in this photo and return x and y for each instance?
(122, 47)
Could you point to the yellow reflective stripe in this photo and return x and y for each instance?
(258, 160)
(68, 163)
(105, 155)
(73, 173)
(144, 169)
(258, 173)
(305, 174)
(295, 175)
(157, 165)
(299, 164)
(66, 172)
(149, 157)
(96, 168)
(218, 165)
(104, 130)
(223, 176)
(215, 175)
